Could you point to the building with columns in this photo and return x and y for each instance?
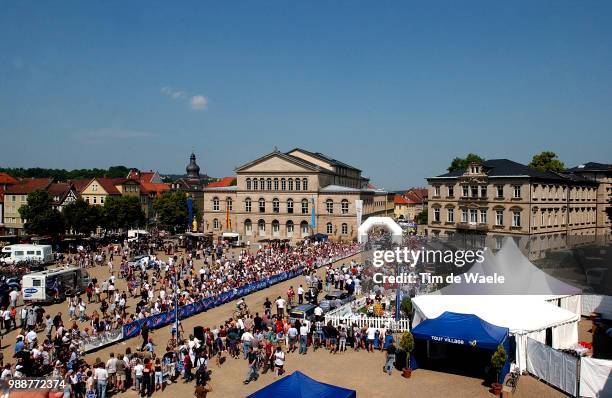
(543, 210)
(273, 198)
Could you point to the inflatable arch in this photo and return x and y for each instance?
(386, 222)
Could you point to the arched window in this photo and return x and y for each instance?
(262, 205)
(255, 185)
(291, 184)
(275, 205)
(329, 228)
(248, 227)
(345, 206)
(275, 228)
(215, 204)
(305, 184)
(297, 184)
(269, 185)
(276, 184)
(247, 205)
(304, 206)
(283, 184)
(248, 184)
(289, 228)
(262, 184)
(216, 224)
(290, 206)
(344, 229)
(329, 206)
(261, 226)
(304, 228)
(229, 203)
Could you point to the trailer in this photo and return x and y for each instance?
(13, 254)
(54, 285)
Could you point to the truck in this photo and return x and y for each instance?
(53, 285)
(135, 234)
(13, 254)
(232, 238)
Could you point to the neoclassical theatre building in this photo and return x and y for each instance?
(272, 197)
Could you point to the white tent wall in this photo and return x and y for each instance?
(595, 378)
(572, 303)
(597, 303)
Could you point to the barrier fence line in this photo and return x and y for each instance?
(156, 321)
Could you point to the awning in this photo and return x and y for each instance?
(463, 329)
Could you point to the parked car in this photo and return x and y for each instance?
(335, 299)
(139, 260)
(302, 312)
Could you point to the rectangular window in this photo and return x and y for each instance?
(517, 191)
(283, 185)
(473, 216)
(466, 191)
(247, 206)
(474, 190)
(483, 191)
(516, 219)
(437, 190)
(450, 215)
(305, 207)
(483, 216)
(437, 215)
(451, 191)
(499, 217)
(290, 207)
(500, 191)
(464, 215)
(276, 206)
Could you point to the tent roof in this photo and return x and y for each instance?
(521, 276)
(464, 329)
(520, 314)
(298, 385)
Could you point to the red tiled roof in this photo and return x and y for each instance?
(149, 187)
(28, 185)
(108, 184)
(224, 182)
(400, 200)
(7, 179)
(59, 189)
(80, 184)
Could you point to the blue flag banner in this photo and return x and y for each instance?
(313, 216)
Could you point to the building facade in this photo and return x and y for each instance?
(15, 196)
(410, 203)
(274, 195)
(500, 197)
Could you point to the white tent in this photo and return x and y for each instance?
(524, 316)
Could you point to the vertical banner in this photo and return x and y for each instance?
(313, 216)
(228, 222)
(189, 212)
(359, 211)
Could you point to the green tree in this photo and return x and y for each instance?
(461, 163)
(421, 218)
(498, 360)
(117, 172)
(171, 210)
(122, 212)
(547, 161)
(40, 216)
(81, 217)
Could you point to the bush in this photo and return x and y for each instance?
(406, 307)
(498, 359)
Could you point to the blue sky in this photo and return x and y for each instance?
(394, 88)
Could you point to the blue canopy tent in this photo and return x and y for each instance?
(298, 385)
(466, 330)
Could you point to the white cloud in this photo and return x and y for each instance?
(198, 102)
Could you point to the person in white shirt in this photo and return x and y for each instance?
(6, 372)
(280, 307)
(279, 361)
(247, 341)
(300, 293)
(101, 376)
(303, 338)
(318, 312)
(14, 295)
(371, 333)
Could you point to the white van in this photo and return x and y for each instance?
(233, 239)
(14, 253)
(135, 234)
(40, 287)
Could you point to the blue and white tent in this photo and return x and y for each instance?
(298, 385)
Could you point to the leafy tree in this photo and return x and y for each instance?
(63, 175)
(547, 161)
(421, 218)
(122, 212)
(40, 216)
(462, 163)
(117, 172)
(406, 307)
(81, 217)
(498, 359)
(171, 210)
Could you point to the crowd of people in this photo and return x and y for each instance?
(156, 285)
